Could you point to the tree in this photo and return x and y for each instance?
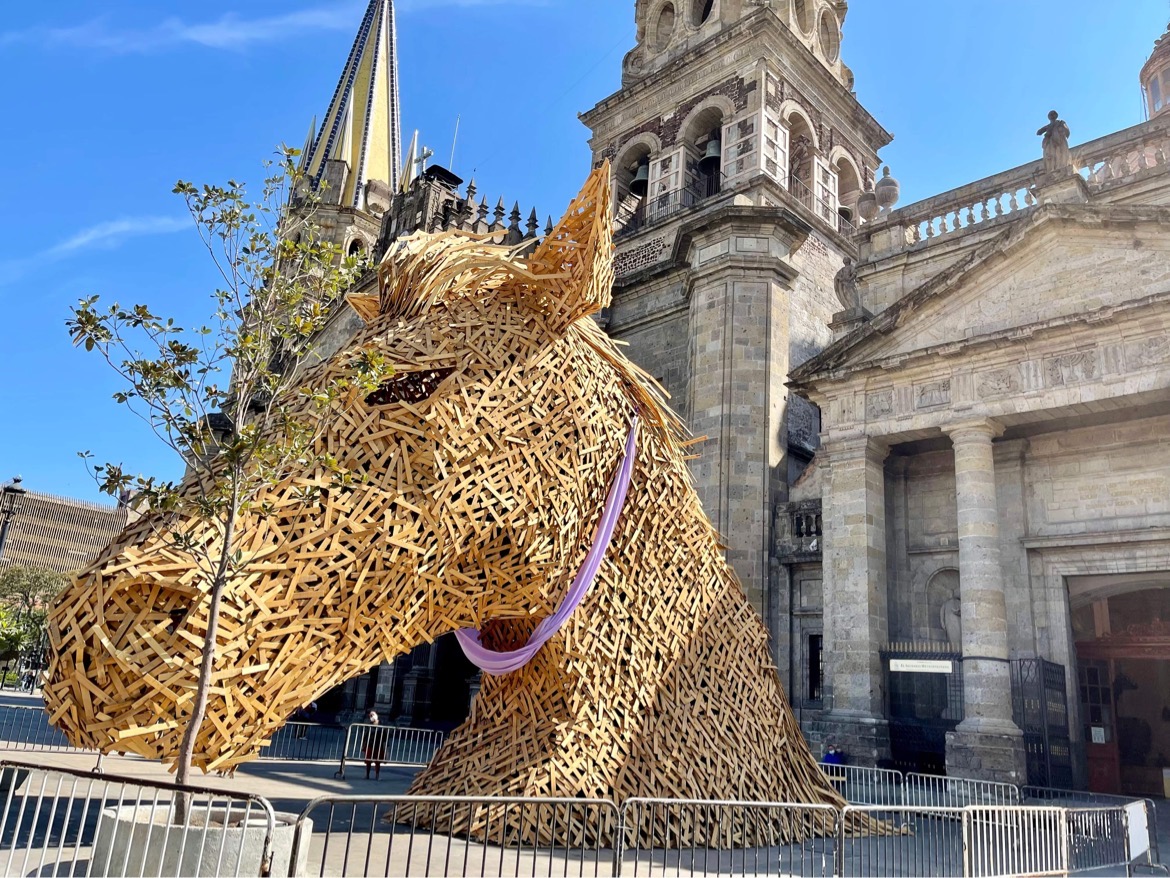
(25, 596)
(224, 396)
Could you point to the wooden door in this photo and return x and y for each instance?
(1100, 726)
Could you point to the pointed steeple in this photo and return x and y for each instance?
(362, 126)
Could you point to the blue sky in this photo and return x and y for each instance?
(105, 105)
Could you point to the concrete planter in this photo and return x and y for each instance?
(140, 841)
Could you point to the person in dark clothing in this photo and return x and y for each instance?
(374, 750)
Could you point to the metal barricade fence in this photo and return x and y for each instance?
(673, 837)
(62, 822)
(27, 728)
(859, 785)
(1019, 840)
(935, 791)
(388, 745)
(1098, 838)
(306, 742)
(438, 835)
(899, 840)
(1141, 816)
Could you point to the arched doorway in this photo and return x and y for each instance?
(1121, 629)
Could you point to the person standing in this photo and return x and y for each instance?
(375, 745)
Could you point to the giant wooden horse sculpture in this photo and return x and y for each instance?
(492, 456)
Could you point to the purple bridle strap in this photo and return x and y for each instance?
(499, 663)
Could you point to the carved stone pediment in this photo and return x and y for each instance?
(1060, 264)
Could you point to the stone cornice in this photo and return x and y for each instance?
(844, 356)
(726, 213)
(764, 19)
(854, 448)
(980, 428)
(1103, 538)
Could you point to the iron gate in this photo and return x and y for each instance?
(922, 706)
(1040, 709)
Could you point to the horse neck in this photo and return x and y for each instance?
(665, 565)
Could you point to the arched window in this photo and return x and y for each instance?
(803, 10)
(704, 143)
(663, 28)
(701, 11)
(357, 247)
(830, 36)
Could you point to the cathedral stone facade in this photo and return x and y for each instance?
(934, 437)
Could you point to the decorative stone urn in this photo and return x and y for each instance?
(887, 190)
(867, 205)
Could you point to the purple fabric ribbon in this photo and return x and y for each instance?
(499, 663)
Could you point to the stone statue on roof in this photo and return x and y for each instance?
(845, 286)
(1057, 156)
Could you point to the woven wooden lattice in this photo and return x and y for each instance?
(489, 455)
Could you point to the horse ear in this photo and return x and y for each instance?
(575, 262)
(366, 306)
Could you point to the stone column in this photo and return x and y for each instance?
(384, 690)
(417, 686)
(741, 286)
(987, 744)
(855, 601)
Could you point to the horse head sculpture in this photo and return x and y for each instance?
(489, 456)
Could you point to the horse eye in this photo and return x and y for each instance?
(412, 387)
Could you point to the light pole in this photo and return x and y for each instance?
(11, 499)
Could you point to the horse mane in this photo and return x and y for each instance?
(422, 269)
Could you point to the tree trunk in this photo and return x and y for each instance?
(206, 668)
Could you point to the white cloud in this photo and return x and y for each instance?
(228, 32)
(112, 233)
(102, 235)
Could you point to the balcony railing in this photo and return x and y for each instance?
(824, 210)
(657, 208)
(1109, 161)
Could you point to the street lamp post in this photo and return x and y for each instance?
(11, 499)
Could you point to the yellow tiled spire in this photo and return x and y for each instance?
(362, 127)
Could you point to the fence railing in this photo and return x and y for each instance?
(61, 822)
(27, 729)
(934, 791)
(1141, 815)
(306, 742)
(671, 837)
(1015, 841)
(1099, 838)
(859, 785)
(377, 745)
(918, 842)
(438, 835)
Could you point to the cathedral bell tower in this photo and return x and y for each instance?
(1155, 78)
(352, 158)
(739, 154)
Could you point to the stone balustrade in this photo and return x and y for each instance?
(1103, 163)
(798, 531)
